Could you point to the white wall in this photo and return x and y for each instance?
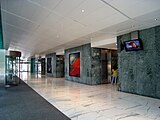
(105, 43)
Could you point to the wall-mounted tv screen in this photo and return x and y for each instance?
(74, 64)
(133, 45)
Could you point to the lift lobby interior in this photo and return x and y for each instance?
(37, 27)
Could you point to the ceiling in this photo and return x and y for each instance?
(44, 26)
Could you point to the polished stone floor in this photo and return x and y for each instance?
(98, 102)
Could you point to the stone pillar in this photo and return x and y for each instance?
(32, 65)
(43, 66)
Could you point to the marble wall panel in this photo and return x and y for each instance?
(139, 70)
(53, 63)
(59, 66)
(89, 65)
(96, 65)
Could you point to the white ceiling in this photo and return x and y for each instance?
(43, 26)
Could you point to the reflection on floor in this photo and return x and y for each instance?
(100, 102)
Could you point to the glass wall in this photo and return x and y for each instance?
(2, 66)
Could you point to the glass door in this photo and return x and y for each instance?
(11, 70)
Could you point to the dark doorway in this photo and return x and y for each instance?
(104, 63)
(109, 60)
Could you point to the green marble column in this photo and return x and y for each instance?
(139, 70)
(90, 65)
(1, 34)
(2, 55)
(32, 65)
(1, 41)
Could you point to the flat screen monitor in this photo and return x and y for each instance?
(133, 45)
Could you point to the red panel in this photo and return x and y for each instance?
(74, 64)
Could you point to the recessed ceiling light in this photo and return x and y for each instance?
(155, 19)
(116, 43)
(82, 10)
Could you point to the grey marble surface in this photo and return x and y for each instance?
(59, 66)
(139, 70)
(90, 65)
(53, 63)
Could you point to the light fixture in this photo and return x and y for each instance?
(82, 10)
(155, 19)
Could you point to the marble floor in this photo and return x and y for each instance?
(98, 102)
